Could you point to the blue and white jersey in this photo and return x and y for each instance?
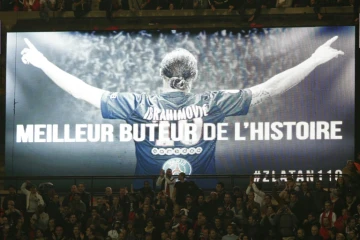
(170, 115)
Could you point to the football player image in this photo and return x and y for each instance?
(177, 107)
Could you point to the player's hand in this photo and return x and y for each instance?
(325, 53)
(31, 55)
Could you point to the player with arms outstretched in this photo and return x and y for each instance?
(177, 105)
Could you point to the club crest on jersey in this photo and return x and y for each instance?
(178, 165)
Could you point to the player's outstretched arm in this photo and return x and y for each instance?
(282, 82)
(64, 80)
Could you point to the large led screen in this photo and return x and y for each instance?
(244, 101)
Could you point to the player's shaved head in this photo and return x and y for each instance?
(179, 67)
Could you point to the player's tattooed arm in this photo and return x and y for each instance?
(286, 80)
(259, 95)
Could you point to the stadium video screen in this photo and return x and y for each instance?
(245, 101)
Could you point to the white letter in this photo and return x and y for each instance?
(300, 176)
(176, 132)
(164, 133)
(299, 130)
(189, 112)
(273, 179)
(258, 131)
(205, 108)
(322, 127)
(312, 130)
(292, 172)
(125, 132)
(289, 129)
(56, 134)
(79, 131)
(283, 174)
(136, 136)
(151, 127)
(267, 131)
(38, 133)
(278, 134)
(67, 134)
(212, 128)
(107, 131)
(149, 113)
(238, 130)
(266, 174)
(309, 175)
(48, 133)
(190, 133)
(220, 131)
(93, 133)
(23, 135)
(334, 129)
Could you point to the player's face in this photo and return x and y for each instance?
(169, 173)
